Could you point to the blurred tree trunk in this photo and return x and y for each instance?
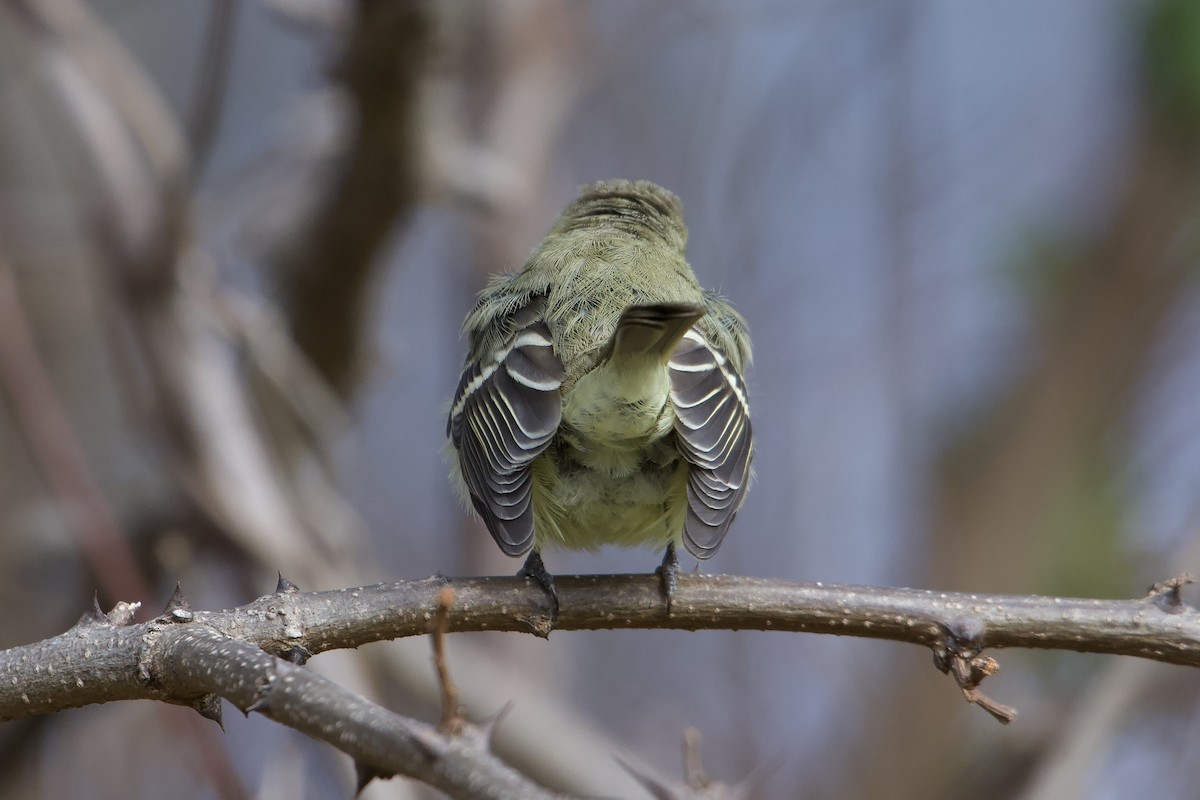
(326, 269)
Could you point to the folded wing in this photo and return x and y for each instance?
(506, 410)
(712, 426)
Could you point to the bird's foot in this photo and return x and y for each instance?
(535, 569)
(666, 574)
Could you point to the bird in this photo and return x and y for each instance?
(602, 401)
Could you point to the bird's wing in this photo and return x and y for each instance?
(505, 412)
(712, 425)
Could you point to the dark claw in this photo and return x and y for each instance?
(666, 574)
(534, 568)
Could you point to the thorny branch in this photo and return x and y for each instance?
(82, 667)
(199, 664)
(251, 655)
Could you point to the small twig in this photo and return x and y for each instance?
(959, 655)
(968, 674)
(452, 721)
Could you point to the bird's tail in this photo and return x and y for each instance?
(652, 330)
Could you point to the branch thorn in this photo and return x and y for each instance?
(209, 707)
(488, 728)
(94, 615)
(364, 774)
(258, 704)
(284, 586)
(1166, 595)
(178, 609)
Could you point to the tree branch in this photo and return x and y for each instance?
(97, 661)
(250, 655)
(202, 663)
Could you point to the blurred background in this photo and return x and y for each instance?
(237, 239)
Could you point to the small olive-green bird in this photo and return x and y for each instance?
(602, 400)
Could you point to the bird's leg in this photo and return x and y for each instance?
(666, 574)
(534, 568)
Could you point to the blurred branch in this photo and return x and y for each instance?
(491, 148)
(212, 436)
(1069, 760)
(697, 784)
(324, 269)
(53, 443)
(83, 667)
(141, 220)
(212, 76)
